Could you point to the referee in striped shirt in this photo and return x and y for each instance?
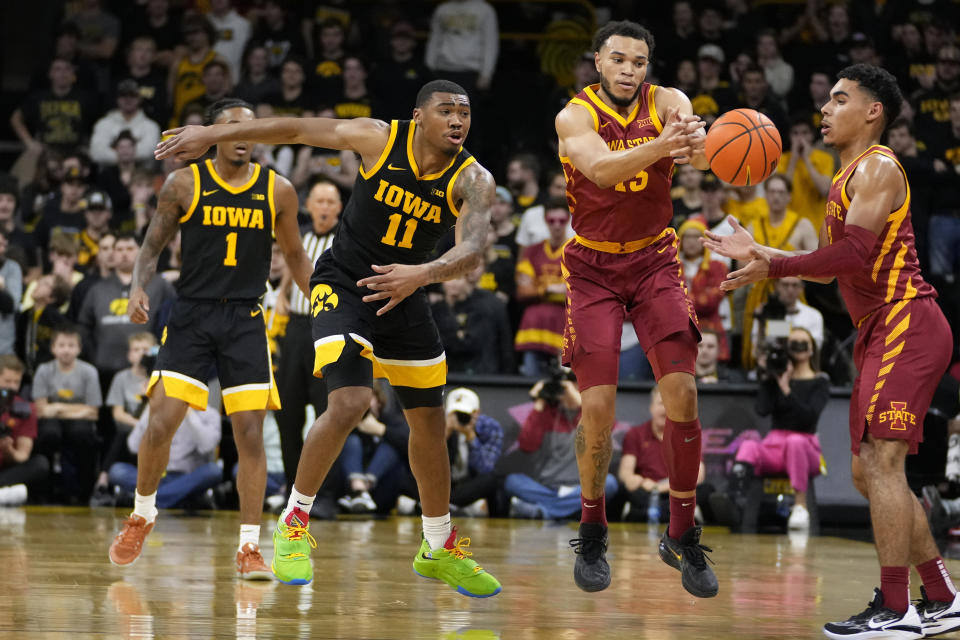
(295, 379)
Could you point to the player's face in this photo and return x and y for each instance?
(622, 63)
(236, 153)
(445, 121)
(323, 203)
(850, 108)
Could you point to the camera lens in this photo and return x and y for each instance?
(798, 346)
(463, 418)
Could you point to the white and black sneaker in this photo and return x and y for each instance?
(938, 617)
(877, 621)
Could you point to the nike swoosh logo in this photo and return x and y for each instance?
(254, 314)
(685, 504)
(210, 193)
(426, 557)
(590, 506)
(604, 124)
(393, 168)
(691, 439)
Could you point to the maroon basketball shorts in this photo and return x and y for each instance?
(604, 288)
(903, 349)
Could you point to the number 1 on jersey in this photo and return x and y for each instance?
(391, 236)
(231, 259)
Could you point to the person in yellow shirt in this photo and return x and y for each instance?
(810, 172)
(746, 204)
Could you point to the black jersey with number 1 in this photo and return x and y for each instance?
(396, 215)
(226, 236)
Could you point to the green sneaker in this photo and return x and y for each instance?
(451, 564)
(291, 549)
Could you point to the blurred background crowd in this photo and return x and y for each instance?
(90, 86)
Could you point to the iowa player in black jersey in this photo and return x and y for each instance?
(370, 312)
(228, 210)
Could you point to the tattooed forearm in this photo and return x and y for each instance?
(476, 189)
(600, 453)
(162, 227)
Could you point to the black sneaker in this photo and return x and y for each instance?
(877, 621)
(688, 557)
(938, 617)
(591, 571)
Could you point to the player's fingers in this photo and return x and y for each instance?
(681, 152)
(733, 222)
(382, 268)
(390, 305)
(380, 295)
(712, 235)
(173, 132)
(370, 282)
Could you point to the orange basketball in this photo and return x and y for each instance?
(743, 147)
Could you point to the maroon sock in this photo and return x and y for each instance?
(593, 510)
(895, 585)
(681, 515)
(936, 580)
(681, 452)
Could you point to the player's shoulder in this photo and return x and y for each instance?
(576, 115)
(475, 179)
(181, 183)
(877, 165)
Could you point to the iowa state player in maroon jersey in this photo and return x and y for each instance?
(619, 141)
(903, 345)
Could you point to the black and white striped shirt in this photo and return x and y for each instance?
(314, 245)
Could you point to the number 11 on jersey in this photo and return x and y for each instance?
(391, 236)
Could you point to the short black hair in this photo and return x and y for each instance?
(8, 185)
(624, 28)
(556, 203)
(127, 235)
(881, 84)
(218, 107)
(438, 86)
(529, 162)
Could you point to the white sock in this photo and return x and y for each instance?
(296, 500)
(249, 533)
(436, 530)
(145, 506)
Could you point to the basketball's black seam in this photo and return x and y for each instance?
(723, 146)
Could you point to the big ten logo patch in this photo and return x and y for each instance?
(322, 298)
(897, 417)
(118, 306)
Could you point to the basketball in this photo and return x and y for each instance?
(743, 147)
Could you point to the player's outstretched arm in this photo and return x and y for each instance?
(288, 234)
(740, 245)
(365, 136)
(177, 190)
(605, 168)
(876, 189)
(476, 189)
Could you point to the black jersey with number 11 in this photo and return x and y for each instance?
(226, 236)
(395, 215)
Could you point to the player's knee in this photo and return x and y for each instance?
(248, 431)
(346, 407)
(679, 393)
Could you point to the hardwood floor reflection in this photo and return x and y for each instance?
(56, 581)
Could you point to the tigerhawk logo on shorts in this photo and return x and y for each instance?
(898, 416)
(322, 298)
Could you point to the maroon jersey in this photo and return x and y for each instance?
(633, 209)
(893, 272)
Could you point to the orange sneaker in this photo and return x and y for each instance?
(127, 545)
(250, 564)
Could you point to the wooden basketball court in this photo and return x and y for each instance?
(56, 582)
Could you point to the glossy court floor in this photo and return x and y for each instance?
(56, 582)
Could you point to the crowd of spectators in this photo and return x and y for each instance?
(75, 204)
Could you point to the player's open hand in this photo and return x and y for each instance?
(756, 270)
(185, 143)
(138, 306)
(737, 247)
(394, 282)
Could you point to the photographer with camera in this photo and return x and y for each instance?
(793, 393)
(18, 430)
(474, 442)
(784, 305)
(552, 490)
